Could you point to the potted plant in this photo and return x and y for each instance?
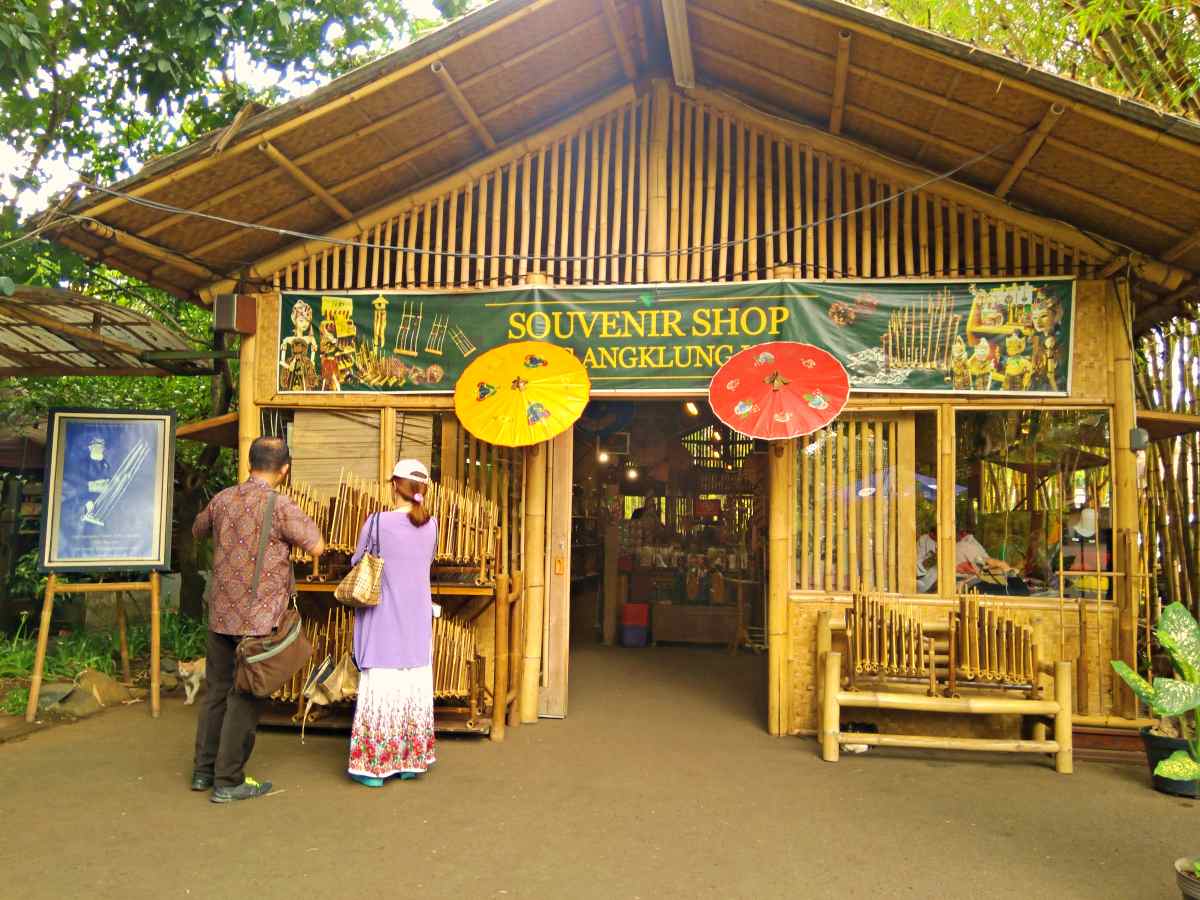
(1176, 761)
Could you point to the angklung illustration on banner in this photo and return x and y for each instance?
(1006, 336)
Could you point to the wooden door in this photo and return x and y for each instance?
(552, 701)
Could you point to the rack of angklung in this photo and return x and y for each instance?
(465, 583)
(897, 660)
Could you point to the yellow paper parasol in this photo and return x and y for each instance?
(521, 394)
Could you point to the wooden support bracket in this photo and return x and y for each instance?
(840, 71)
(1049, 120)
(439, 69)
(307, 182)
(679, 42)
(614, 29)
(154, 251)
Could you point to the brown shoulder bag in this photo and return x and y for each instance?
(267, 663)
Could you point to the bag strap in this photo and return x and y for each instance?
(375, 534)
(264, 536)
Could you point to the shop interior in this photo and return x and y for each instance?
(669, 526)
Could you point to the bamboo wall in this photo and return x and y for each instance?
(576, 209)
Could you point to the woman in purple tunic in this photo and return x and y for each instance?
(393, 642)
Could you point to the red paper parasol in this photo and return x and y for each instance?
(779, 390)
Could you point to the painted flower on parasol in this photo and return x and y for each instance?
(521, 394)
(779, 390)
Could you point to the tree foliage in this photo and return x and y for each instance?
(1145, 49)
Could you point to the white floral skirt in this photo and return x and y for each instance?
(393, 723)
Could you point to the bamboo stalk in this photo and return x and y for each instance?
(526, 223)
(781, 222)
(727, 131)
(838, 224)
(539, 209)
(577, 200)
(841, 492)
(426, 241)
(510, 222)
(644, 187)
(710, 194)
(807, 552)
(600, 241)
(877, 500)
(768, 207)
(598, 136)
(696, 183)
(554, 269)
(676, 183)
(619, 194)
(854, 220)
(854, 502)
(830, 536)
(810, 230)
(739, 212)
(687, 192)
(923, 265)
(495, 248)
(952, 208)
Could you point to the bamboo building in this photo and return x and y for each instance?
(994, 238)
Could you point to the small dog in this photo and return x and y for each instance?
(191, 673)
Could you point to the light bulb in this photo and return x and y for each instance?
(632, 474)
(692, 408)
(603, 456)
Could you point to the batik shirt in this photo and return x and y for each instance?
(234, 518)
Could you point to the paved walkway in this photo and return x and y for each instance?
(661, 783)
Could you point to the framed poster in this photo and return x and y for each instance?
(109, 485)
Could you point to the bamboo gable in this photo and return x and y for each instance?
(743, 203)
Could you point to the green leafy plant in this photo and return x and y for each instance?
(17, 652)
(15, 701)
(26, 580)
(1179, 634)
(73, 653)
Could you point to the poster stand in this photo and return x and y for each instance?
(55, 587)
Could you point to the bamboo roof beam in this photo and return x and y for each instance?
(917, 134)
(618, 38)
(99, 254)
(943, 102)
(1032, 146)
(840, 70)
(419, 108)
(306, 181)
(263, 268)
(679, 42)
(1099, 115)
(462, 103)
(904, 174)
(1182, 247)
(154, 251)
(286, 213)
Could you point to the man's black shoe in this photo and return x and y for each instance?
(247, 790)
(201, 782)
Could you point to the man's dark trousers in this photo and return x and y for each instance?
(225, 732)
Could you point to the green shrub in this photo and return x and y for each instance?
(17, 652)
(15, 701)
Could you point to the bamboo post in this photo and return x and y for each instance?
(1064, 758)
(739, 204)
(656, 264)
(710, 194)
(768, 207)
(620, 196)
(824, 646)
(645, 185)
(122, 636)
(687, 117)
(39, 658)
(779, 585)
(822, 215)
(155, 643)
(495, 248)
(248, 416)
(500, 661)
(853, 505)
(852, 219)
(481, 219)
(535, 578)
(838, 224)
(554, 269)
(830, 710)
(806, 550)
(696, 184)
(810, 269)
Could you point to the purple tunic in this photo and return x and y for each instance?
(398, 633)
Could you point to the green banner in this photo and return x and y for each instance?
(920, 336)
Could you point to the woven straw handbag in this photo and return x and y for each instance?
(363, 584)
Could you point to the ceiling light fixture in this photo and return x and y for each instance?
(691, 408)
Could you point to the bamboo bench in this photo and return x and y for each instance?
(899, 663)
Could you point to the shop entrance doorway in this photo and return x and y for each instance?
(668, 536)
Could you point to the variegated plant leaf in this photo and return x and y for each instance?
(1179, 633)
(1136, 682)
(1174, 698)
(1179, 766)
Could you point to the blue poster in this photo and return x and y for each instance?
(109, 490)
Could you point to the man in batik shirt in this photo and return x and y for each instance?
(225, 733)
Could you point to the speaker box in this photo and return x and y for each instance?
(235, 313)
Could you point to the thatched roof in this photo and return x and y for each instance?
(1119, 169)
(52, 331)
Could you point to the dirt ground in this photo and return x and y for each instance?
(660, 783)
